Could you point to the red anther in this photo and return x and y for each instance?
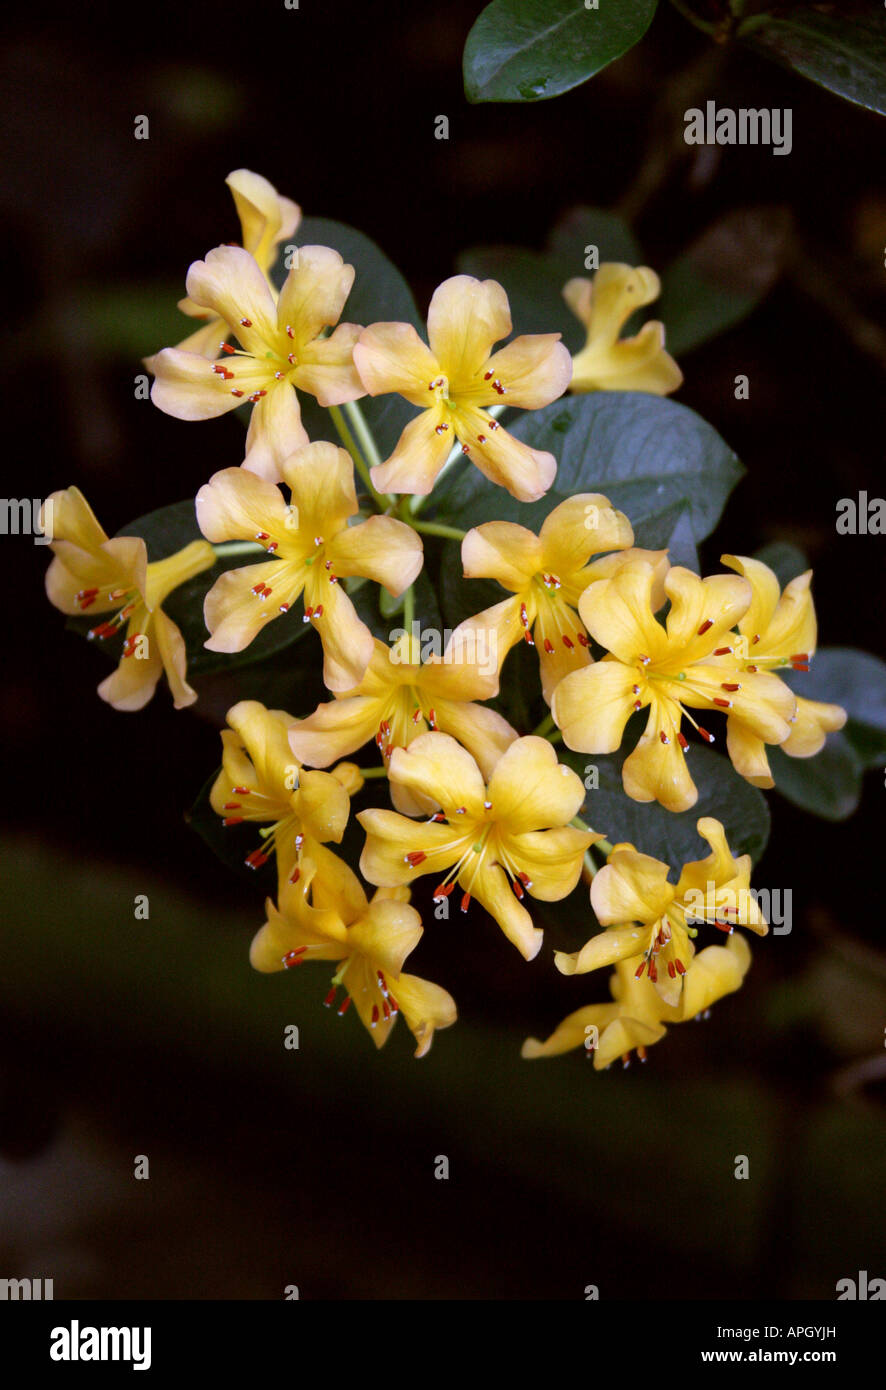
(645, 660)
(635, 689)
(240, 791)
(800, 656)
(236, 393)
(274, 545)
(284, 608)
(487, 376)
(262, 536)
(318, 611)
(259, 588)
(567, 641)
(295, 957)
(333, 579)
(726, 927)
(481, 438)
(730, 685)
(102, 631)
(232, 820)
(517, 887)
(291, 359)
(799, 666)
(722, 651)
(528, 637)
(683, 741)
(723, 704)
(525, 880)
(289, 332)
(246, 323)
(345, 1005)
(432, 717)
(639, 971)
(415, 857)
(386, 1010)
(440, 429)
(299, 840)
(226, 347)
(395, 1007)
(295, 875)
(755, 639)
(549, 646)
(460, 810)
(752, 668)
(497, 386)
(309, 613)
(374, 1016)
(257, 395)
(465, 449)
(523, 617)
(494, 425)
(708, 622)
(223, 372)
(705, 735)
(438, 816)
(231, 806)
(381, 983)
(416, 716)
(641, 1053)
(582, 639)
(465, 902)
(663, 736)
(330, 998)
(672, 970)
(653, 969)
(256, 859)
(638, 704)
(443, 891)
(681, 968)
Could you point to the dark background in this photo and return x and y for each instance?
(121, 1037)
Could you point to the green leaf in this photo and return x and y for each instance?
(857, 681)
(648, 455)
(847, 55)
(583, 227)
(171, 528)
(672, 836)
(379, 294)
(530, 50)
(722, 276)
(828, 785)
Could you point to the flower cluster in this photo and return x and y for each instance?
(486, 811)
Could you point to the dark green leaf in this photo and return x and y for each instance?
(646, 454)
(857, 681)
(584, 227)
(828, 785)
(845, 54)
(529, 50)
(667, 835)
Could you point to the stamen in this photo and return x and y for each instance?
(236, 393)
(708, 622)
(293, 958)
(232, 820)
(415, 857)
(549, 646)
(330, 998)
(733, 685)
(374, 1021)
(567, 641)
(289, 332)
(442, 891)
(257, 859)
(226, 347)
(639, 971)
(723, 651)
(704, 733)
(663, 736)
(723, 704)
(465, 902)
(345, 1005)
(683, 741)
(582, 639)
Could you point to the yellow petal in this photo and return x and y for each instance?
(763, 703)
(186, 387)
(714, 972)
(173, 654)
(386, 934)
(530, 790)
(526, 473)
(266, 218)
(656, 770)
(392, 357)
(232, 285)
(576, 1030)
(618, 613)
(321, 479)
(420, 454)
(811, 725)
(550, 859)
(425, 1007)
(275, 430)
(390, 837)
(334, 730)
(347, 642)
(313, 294)
(326, 367)
(283, 933)
(437, 767)
(604, 949)
(503, 551)
(533, 370)
(485, 639)
(234, 614)
(582, 526)
(466, 317)
(491, 887)
(591, 707)
(714, 604)
(482, 731)
(748, 753)
(631, 887)
(237, 505)
(383, 549)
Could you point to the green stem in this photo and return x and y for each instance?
(363, 433)
(543, 729)
(353, 449)
(409, 608)
(589, 864)
(436, 528)
(238, 548)
(704, 25)
(367, 772)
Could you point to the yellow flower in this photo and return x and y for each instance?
(266, 219)
(370, 942)
(497, 842)
(633, 888)
(667, 668)
(283, 347)
(637, 1017)
(778, 630)
(456, 380)
(95, 574)
(399, 699)
(311, 548)
(608, 363)
(262, 782)
(547, 574)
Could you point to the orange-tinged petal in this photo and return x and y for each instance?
(275, 430)
(618, 614)
(631, 887)
(392, 357)
(420, 454)
(466, 317)
(591, 707)
(605, 948)
(503, 551)
(533, 369)
(383, 549)
(323, 805)
(811, 725)
(657, 768)
(437, 767)
(232, 285)
(186, 387)
(118, 564)
(491, 887)
(326, 367)
(313, 294)
(390, 837)
(526, 473)
(237, 505)
(530, 790)
(234, 613)
(266, 218)
(584, 525)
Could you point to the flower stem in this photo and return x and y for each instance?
(436, 528)
(589, 868)
(238, 548)
(353, 449)
(543, 730)
(363, 433)
(367, 772)
(409, 608)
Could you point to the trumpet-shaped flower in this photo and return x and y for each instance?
(266, 219)
(778, 630)
(326, 916)
(262, 783)
(282, 347)
(648, 917)
(668, 668)
(399, 699)
(547, 574)
(456, 380)
(498, 841)
(310, 548)
(637, 1017)
(608, 362)
(91, 573)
